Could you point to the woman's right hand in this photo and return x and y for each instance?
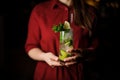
(51, 59)
(39, 55)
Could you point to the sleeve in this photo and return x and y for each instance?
(33, 34)
(90, 52)
(94, 40)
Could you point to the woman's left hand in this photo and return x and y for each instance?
(76, 55)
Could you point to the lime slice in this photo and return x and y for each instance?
(66, 25)
(67, 43)
(63, 55)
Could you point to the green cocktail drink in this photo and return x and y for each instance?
(66, 44)
(66, 39)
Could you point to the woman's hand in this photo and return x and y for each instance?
(76, 56)
(51, 59)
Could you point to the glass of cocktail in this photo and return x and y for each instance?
(66, 44)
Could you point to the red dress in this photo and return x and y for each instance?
(41, 35)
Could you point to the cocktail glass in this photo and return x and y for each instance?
(66, 44)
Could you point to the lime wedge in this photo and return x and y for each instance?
(63, 55)
(66, 25)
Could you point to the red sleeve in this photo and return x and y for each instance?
(94, 40)
(33, 34)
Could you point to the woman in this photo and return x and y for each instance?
(42, 43)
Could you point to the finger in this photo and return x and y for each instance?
(73, 58)
(69, 50)
(49, 62)
(52, 66)
(54, 63)
(70, 63)
(77, 50)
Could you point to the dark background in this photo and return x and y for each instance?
(16, 65)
